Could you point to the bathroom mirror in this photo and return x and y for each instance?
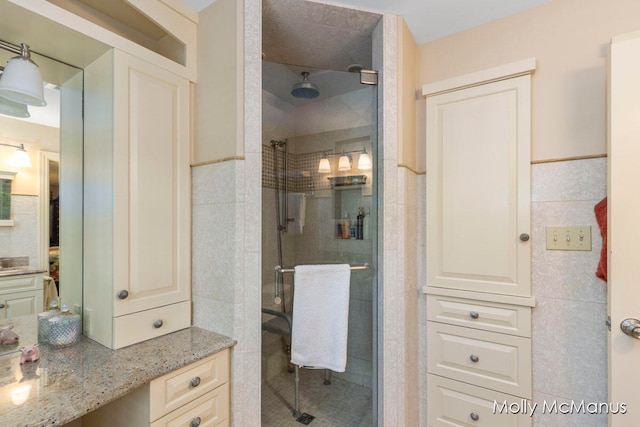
(46, 198)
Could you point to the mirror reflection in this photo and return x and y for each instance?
(41, 199)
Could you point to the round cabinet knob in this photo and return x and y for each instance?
(474, 315)
(158, 323)
(2, 306)
(196, 422)
(195, 382)
(474, 416)
(474, 358)
(123, 294)
(524, 237)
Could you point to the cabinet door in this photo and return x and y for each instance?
(20, 304)
(152, 194)
(478, 188)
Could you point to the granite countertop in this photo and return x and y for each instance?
(67, 383)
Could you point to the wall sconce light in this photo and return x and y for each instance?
(20, 157)
(21, 80)
(324, 166)
(13, 109)
(344, 161)
(364, 161)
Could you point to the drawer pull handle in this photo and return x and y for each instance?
(524, 237)
(474, 416)
(123, 294)
(158, 323)
(474, 315)
(195, 382)
(196, 422)
(2, 305)
(474, 358)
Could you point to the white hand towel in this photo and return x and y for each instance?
(320, 316)
(296, 210)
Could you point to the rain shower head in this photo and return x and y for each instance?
(305, 89)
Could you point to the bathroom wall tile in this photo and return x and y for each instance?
(253, 26)
(401, 229)
(390, 103)
(214, 183)
(360, 343)
(215, 247)
(252, 302)
(570, 349)
(213, 315)
(251, 389)
(358, 371)
(22, 238)
(24, 205)
(565, 274)
(237, 387)
(569, 180)
(390, 42)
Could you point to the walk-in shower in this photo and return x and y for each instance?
(319, 207)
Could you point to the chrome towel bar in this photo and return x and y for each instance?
(365, 266)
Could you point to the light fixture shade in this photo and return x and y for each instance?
(343, 163)
(13, 109)
(20, 158)
(324, 166)
(364, 161)
(21, 82)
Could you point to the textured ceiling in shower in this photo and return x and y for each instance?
(316, 35)
(278, 79)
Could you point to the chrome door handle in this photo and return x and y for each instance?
(631, 327)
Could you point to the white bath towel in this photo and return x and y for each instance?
(320, 316)
(296, 211)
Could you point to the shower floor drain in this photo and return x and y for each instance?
(305, 418)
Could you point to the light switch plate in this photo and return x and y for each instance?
(569, 238)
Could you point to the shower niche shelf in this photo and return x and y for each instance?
(341, 182)
(347, 202)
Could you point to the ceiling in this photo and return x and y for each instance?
(431, 19)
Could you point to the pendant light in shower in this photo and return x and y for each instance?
(305, 89)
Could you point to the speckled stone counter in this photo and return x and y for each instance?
(67, 383)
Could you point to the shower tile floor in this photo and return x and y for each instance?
(341, 404)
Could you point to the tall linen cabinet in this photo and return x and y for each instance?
(478, 247)
(137, 234)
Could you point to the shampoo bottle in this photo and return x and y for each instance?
(365, 225)
(360, 224)
(345, 226)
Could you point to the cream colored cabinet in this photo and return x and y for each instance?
(478, 248)
(196, 395)
(20, 295)
(137, 201)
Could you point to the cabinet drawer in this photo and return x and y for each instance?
(20, 283)
(138, 327)
(496, 361)
(209, 410)
(176, 389)
(486, 315)
(452, 403)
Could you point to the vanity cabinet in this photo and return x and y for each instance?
(20, 295)
(137, 232)
(478, 286)
(195, 395)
